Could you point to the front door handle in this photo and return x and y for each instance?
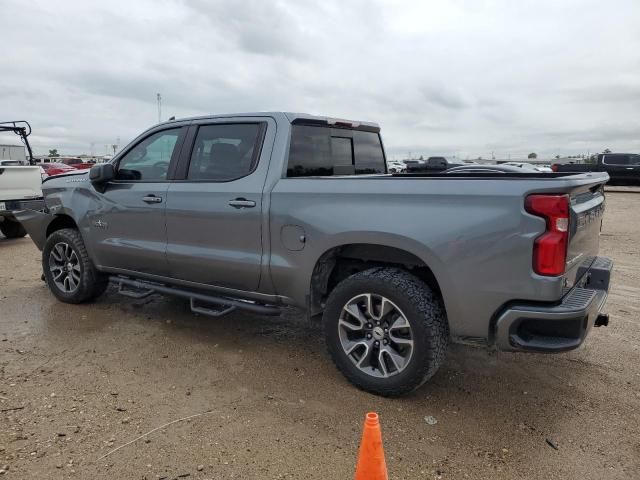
(151, 199)
(242, 203)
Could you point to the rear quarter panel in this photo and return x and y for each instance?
(473, 234)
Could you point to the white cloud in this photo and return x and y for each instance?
(461, 77)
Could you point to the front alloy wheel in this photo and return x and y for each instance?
(64, 267)
(68, 270)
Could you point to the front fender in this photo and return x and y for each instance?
(36, 224)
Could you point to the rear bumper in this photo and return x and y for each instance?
(557, 327)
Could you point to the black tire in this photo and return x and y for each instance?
(91, 283)
(12, 229)
(424, 312)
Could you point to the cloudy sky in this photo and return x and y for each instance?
(462, 78)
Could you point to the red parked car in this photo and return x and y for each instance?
(75, 162)
(56, 168)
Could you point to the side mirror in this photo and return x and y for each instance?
(100, 174)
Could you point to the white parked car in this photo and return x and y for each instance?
(529, 166)
(394, 166)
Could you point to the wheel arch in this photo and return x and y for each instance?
(59, 222)
(341, 261)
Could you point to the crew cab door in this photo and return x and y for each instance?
(214, 205)
(128, 230)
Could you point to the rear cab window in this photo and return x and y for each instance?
(327, 151)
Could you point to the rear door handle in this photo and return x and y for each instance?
(151, 199)
(242, 203)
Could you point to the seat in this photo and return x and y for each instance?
(224, 162)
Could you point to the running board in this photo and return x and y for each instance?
(142, 289)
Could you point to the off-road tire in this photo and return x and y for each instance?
(424, 311)
(92, 283)
(12, 229)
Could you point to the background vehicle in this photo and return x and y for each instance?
(433, 164)
(13, 163)
(411, 163)
(261, 210)
(529, 166)
(75, 162)
(56, 168)
(396, 167)
(623, 168)
(19, 184)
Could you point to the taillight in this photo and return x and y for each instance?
(550, 248)
(554, 167)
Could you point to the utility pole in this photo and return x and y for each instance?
(115, 145)
(159, 99)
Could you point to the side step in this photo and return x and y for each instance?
(142, 289)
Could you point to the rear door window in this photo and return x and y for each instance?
(224, 152)
(326, 151)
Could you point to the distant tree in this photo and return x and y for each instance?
(557, 156)
(606, 150)
(421, 158)
(54, 153)
(532, 155)
(479, 158)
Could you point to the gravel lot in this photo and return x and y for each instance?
(76, 382)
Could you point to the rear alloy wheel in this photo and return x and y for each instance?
(375, 334)
(68, 270)
(12, 229)
(386, 330)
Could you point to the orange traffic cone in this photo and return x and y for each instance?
(371, 464)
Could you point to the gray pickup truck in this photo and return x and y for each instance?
(259, 211)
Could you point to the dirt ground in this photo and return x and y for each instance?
(76, 382)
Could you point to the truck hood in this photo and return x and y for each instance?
(73, 172)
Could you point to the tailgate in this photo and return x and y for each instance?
(19, 183)
(587, 208)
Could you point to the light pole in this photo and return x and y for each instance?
(159, 99)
